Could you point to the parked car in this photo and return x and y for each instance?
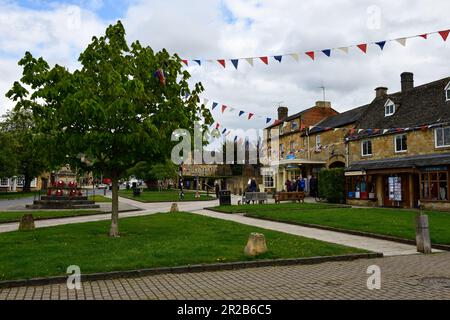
(102, 186)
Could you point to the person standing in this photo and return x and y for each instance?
(253, 185)
(217, 189)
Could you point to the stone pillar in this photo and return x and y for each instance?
(13, 184)
(284, 179)
(26, 222)
(379, 190)
(423, 241)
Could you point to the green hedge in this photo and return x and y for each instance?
(331, 185)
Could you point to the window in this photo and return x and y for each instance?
(447, 92)
(434, 186)
(360, 187)
(283, 128)
(294, 125)
(268, 181)
(366, 148)
(4, 182)
(442, 137)
(282, 150)
(401, 143)
(318, 144)
(291, 146)
(389, 108)
(20, 181)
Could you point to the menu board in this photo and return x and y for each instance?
(395, 188)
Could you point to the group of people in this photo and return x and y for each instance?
(299, 185)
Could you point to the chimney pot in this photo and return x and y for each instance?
(407, 80)
(282, 113)
(380, 92)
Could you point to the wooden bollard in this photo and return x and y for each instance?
(423, 241)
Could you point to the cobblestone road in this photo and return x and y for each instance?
(402, 277)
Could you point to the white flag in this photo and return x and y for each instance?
(205, 101)
(385, 130)
(295, 56)
(402, 41)
(360, 130)
(344, 49)
(250, 61)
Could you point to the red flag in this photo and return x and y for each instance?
(425, 36)
(444, 34)
(352, 131)
(217, 125)
(277, 122)
(265, 60)
(222, 62)
(250, 115)
(424, 128)
(363, 47)
(310, 54)
(185, 62)
(399, 129)
(223, 108)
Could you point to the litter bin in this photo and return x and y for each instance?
(136, 192)
(225, 198)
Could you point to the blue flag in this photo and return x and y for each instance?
(268, 120)
(241, 113)
(214, 105)
(381, 44)
(235, 62)
(327, 52)
(199, 62)
(278, 58)
(224, 130)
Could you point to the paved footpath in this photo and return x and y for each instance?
(402, 277)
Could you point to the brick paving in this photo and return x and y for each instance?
(402, 277)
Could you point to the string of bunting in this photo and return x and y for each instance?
(312, 54)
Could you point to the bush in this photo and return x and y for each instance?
(331, 185)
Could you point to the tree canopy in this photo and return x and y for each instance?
(118, 109)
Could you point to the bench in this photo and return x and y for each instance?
(260, 197)
(284, 196)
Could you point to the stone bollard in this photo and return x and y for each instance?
(174, 207)
(423, 241)
(26, 222)
(256, 245)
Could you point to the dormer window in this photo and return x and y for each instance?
(447, 92)
(389, 108)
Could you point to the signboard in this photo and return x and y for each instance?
(437, 168)
(395, 188)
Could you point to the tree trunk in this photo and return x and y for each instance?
(114, 231)
(26, 184)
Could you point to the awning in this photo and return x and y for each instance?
(402, 162)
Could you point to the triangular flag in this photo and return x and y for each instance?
(381, 44)
(250, 115)
(402, 41)
(224, 130)
(425, 36)
(223, 108)
(295, 56)
(385, 130)
(444, 34)
(250, 61)
(232, 109)
(360, 130)
(217, 125)
(235, 62)
(344, 49)
(199, 62)
(222, 62)
(235, 138)
(268, 120)
(205, 101)
(185, 62)
(310, 54)
(278, 58)
(362, 47)
(265, 60)
(327, 52)
(241, 113)
(228, 133)
(214, 105)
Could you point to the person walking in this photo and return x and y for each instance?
(217, 189)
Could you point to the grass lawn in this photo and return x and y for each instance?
(16, 195)
(275, 207)
(13, 216)
(98, 198)
(163, 196)
(158, 240)
(391, 222)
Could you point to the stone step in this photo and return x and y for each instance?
(62, 206)
(63, 198)
(61, 202)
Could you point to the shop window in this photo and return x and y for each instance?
(318, 144)
(4, 182)
(361, 187)
(291, 147)
(268, 181)
(434, 186)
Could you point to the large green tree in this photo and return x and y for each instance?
(28, 158)
(118, 109)
(8, 162)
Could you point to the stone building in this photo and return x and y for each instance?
(398, 155)
(291, 160)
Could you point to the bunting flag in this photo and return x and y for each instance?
(312, 53)
(250, 115)
(241, 113)
(268, 120)
(362, 47)
(265, 60)
(215, 104)
(217, 125)
(224, 130)
(224, 108)
(381, 44)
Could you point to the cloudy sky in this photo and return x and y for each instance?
(214, 29)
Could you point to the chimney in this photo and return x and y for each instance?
(407, 81)
(380, 92)
(282, 113)
(323, 104)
